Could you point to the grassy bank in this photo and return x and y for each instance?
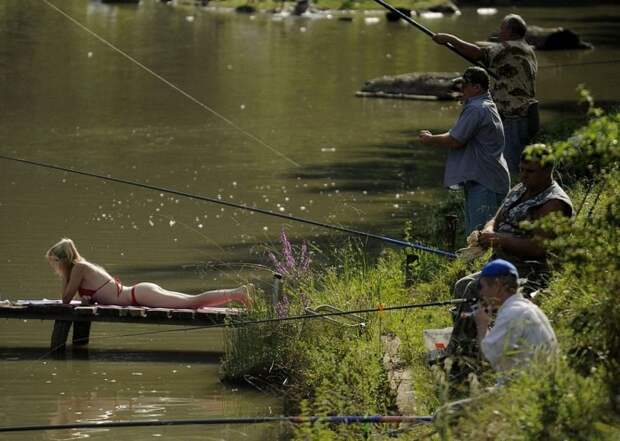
(326, 368)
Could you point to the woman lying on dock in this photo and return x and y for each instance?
(94, 284)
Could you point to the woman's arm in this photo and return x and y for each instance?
(73, 283)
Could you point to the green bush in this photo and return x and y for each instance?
(546, 403)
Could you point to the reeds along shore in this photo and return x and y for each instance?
(323, 368)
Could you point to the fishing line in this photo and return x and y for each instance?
(397, 242)
(431, 34)
(585, 197)
(584, 63)
(208, 239)
(598, 195)
(170, 84)
(336, 419)
(232, 323)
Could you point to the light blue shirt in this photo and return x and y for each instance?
(480, 128)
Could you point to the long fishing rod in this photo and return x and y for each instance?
(379, 309)
(337, 419)
(398, 242)
(431, 34)
(242, 323)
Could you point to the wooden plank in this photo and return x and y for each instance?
(44, 302)
(53, 309)
(86, 311)
(11, 308)
(81, 333)
(109, 311)
(134, 311)
(218, 311)
(76, 312)
(182, 314)
(59, 335)
(158, 313)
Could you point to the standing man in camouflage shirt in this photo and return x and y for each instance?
(513, 61)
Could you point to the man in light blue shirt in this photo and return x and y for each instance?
(475, 158)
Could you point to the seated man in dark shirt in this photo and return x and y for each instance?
(536, 196)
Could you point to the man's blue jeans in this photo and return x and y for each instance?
(481, 204)
(516, 132)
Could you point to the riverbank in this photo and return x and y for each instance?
(332, 5)
(369, 5)
(326, 368)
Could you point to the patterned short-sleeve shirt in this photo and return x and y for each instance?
(515, 64)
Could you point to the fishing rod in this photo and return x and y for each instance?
(379, 308)
(337, 419)
(241, 323)
(432, 34)
(398, 242)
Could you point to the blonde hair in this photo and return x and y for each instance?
(65, 252)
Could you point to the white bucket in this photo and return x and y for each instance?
(435, 339)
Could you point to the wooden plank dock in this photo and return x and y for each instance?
(81, 316)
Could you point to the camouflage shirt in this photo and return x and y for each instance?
(515, 64)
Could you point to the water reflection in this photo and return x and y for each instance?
(102, 355)
(76, 391)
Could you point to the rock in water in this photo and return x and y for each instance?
(553, 39)
(447, 8)
(429, 85)
(245, 9)
(301, 6)
(393, 16)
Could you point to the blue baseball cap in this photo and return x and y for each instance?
(499, 268)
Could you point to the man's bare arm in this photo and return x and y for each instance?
(470, 50)
(441, 140)
(531, 247)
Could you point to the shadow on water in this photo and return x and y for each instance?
(112, 355)
(400, 167)
(576, 109)
(397, 167)
(251, 257)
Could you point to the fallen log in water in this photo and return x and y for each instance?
(548, 39)
(420, 86)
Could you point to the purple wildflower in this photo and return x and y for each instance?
(279, 267)
(289, 265)
(304, 258)
(287, 252)
(282, 307)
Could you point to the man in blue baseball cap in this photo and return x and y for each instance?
(521, 329)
